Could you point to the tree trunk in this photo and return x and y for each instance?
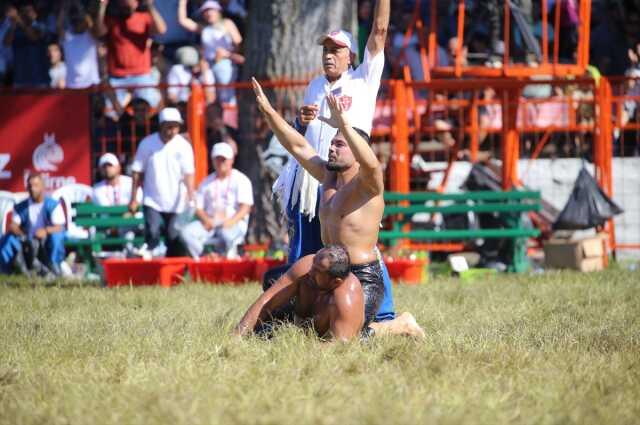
(280, 44)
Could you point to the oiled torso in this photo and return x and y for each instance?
(351, 216)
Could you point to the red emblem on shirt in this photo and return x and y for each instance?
(345, 101)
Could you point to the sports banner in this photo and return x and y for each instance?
(44, 133)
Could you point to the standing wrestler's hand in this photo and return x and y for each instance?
(307, 113)
(263, 102)
(338, 118)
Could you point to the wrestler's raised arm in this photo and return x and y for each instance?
(376, 41)
(371, 176)
(290, 139)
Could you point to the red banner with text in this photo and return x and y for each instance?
(44, 133)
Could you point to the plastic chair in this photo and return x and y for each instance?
(67, 195)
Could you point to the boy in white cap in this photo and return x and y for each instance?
(115, 188)
(356, 90)
(223, 204)
(164, 166)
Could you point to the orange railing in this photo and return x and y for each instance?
(446, 121)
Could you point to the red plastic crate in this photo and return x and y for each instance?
(406, 270)
(223, 271)
(265, 264)
(136, 271)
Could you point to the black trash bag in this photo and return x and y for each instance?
(587, 207)
(481, 178)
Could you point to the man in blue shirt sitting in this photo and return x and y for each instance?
(35, 237)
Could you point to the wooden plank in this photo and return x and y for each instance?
(459, 234)
(106, 222)
(90, 208)
(461, 208)
(513, 195)
(106, 241)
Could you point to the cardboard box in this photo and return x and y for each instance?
(584, 255)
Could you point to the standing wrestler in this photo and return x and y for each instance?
(357, 89)
(351, 201)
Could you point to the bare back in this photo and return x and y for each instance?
(350, 215)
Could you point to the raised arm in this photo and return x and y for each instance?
(62, 12)
(378, 35)
(158, 25)
(289, 137)
(371, 177)
(101, 28)
(273, 298)
(184, 21)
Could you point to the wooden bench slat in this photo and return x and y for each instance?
(103, 241)
(86, 208)
(102, 222)
(459, 234)
(460, 208)
(466, 196)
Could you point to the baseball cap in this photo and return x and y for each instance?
(210, 4)
(170, 115)
(187, 56)
(108, 158)
(341, 38)
(222, 149)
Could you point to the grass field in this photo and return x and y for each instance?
(558, 348)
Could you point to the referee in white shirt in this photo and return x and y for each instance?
(357, 90)
(164, 165)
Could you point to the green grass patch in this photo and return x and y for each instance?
(557, 348)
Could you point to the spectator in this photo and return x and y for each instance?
(189, 69)
(57, 67)
(236, 11)
(219, 38)
(115, 189)
(35, 240)
(79, 43)
(27, 37)
(223, 204)
(128, 36)
(164, 165)
(217, 131)
(175, 36)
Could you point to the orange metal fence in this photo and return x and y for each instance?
(442, 121)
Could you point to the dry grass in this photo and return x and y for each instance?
(556, 348)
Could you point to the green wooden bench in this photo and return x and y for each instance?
(401, 207)
(100, 221)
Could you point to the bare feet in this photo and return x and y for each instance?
(405, 324)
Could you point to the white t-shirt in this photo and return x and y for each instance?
(221, 198)
(107, 195)
(81, 57)
(181, 75)
(212, 37)
(58, 74)
(37, 218)
(357, 89)
(164, 166)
